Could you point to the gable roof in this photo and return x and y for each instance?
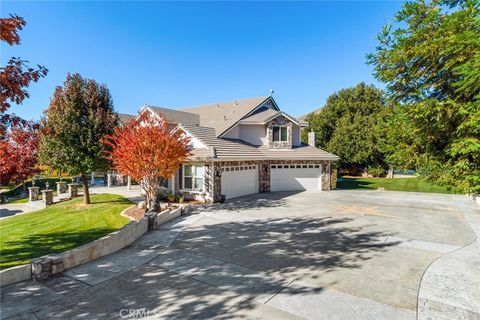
(124, 117)
(174, 116)
(235, 149)
(264, 115)
(222, 116)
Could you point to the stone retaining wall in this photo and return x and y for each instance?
(47, 266)
(165, 216)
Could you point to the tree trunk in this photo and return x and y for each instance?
(86, 194)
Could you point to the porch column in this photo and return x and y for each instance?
(129, 183)
(92, 180)
(173, 184)
(109, 180)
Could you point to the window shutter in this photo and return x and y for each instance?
(180, 177)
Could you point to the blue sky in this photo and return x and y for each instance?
(191, 53)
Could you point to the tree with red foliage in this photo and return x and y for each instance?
(148, 151)
(19, 153)
(15, 75)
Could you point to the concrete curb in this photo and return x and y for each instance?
(15, 274)
(449, 286)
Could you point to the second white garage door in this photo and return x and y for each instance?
(295, 177)
(239, 181)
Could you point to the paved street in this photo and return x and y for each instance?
(331, 255)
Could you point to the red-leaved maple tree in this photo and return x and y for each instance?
(147, 150)
(15, 75)
(19, 153)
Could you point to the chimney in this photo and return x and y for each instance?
(312, 139)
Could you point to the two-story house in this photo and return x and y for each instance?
(242, 147)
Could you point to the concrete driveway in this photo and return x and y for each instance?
(325, 255)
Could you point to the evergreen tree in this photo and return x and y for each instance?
(347, 127)
(430, 60)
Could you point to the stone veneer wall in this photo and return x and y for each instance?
(264, 173)
(280, 121)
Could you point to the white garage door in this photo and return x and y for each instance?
(296, 177)
(239, 181)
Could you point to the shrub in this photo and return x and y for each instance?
(376, 172)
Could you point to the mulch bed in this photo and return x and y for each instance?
(135, 213)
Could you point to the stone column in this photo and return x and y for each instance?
(109, 180)
(92, 180)
(61, 187)
(129, 183)
(72, 190)
(33, 193)
(390, 172)
(264, 177)
(328, 175)
(47, 196)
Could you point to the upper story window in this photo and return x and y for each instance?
(280, 133)
(193, 177)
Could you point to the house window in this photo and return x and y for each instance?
(280, 133)
(193, 177)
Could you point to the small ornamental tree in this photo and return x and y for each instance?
(148, 151)
(79, 116)
(19, 153)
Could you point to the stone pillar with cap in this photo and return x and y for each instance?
(61, 187)
(109, 180)
(33, 193)
(72, 190)
(312, 139)
(47, 196)
(129, 183)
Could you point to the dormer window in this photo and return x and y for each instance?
(280, 133)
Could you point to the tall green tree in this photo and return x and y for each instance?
(429, 59)
(78, 118)
(347, 126)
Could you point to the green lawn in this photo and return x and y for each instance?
(59, 228)
(407, 184)
(21, 200)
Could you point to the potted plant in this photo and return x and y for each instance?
(180, 199)
(171, 197)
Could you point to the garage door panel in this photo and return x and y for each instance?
(236, 183)
(292, 179)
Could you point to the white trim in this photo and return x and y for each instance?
(202, 144)
(281, 113)
(279, 133)
(184, 189)
(250, 113)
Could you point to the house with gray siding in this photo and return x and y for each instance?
(242, 147)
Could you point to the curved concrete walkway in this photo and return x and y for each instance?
(450, 287)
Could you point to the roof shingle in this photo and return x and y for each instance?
(221, 116)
